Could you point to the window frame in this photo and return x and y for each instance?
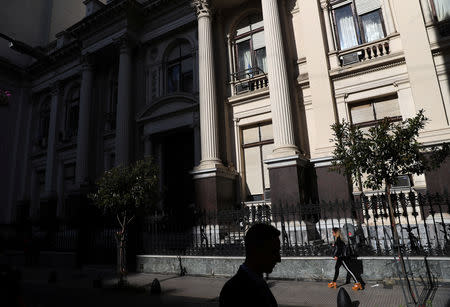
(248, 34)
(44, 119)
(259, 144)
(360, 33)
(178, 61)
(372, 102)
(434, 14)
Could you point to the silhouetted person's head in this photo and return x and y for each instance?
(262, 248)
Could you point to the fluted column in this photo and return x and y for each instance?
(123, 124)
(207, 90)
(51, 165)
(82, 165)
(280, 101)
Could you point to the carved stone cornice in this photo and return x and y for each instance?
(202, 8)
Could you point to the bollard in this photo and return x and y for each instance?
(155, 288)
(343, 299)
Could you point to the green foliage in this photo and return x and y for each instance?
(126, 190)
(385, 152)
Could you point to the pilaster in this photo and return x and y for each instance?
(82, 162)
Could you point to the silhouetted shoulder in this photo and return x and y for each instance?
(243, 291)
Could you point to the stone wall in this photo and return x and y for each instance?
(299, 268)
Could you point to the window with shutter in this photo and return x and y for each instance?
(367, 113)
(257, 143)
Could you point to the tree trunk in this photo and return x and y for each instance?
(396, 240)
(121, 255)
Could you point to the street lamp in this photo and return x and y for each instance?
(24, 48)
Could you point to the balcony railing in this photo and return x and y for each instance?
(365, 52)
(248, 80)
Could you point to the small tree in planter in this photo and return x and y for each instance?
(385, 152)
(126, 191)
(4, 97)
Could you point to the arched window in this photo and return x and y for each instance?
(179, 69)
(250, 47)
(44, 123)
(72, 111)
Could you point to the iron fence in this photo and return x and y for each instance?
(422, 221)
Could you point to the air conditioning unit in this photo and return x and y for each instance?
(350, 58)
(267, 194)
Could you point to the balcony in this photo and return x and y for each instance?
(364, 52)
(248, 80)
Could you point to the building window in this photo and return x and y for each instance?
(179, 69)
(367, 113)
(250, 47)
(44, 123)
(41, 179)
(111, 107)
(441, 9)
(257, 144)
(358, 22)
(72, 112)
(69, 173)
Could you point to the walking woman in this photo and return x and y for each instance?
(342, 258)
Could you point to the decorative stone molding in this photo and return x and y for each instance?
(340, 74)
(125, 43)
(325, 4)
(55, 88)
(202, 8)
(87, 62)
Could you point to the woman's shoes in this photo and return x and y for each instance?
(357, 286)
(332, 285)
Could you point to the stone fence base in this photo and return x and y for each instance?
(297, 268)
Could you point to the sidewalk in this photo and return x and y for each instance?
(203, 291)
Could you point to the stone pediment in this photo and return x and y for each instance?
(167, 105)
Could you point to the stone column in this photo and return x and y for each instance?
(148, 146)
(51, 165)
(82, 163)
(214, 183)
(123, 124)
(207, 94)
(280, 100)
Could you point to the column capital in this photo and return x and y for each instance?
(55, 88)
(125, 43)
(87, 61)
(325, 4)
(202, 8)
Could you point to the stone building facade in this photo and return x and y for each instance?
(234, 99)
